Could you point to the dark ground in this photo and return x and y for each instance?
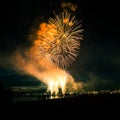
(79, 106)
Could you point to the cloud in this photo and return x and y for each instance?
(96, 82)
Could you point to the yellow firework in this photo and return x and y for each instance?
(58, 41)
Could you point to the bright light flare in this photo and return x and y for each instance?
(55, 85)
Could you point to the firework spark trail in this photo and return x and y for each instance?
(58, 41)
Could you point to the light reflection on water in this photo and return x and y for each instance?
(33, 98)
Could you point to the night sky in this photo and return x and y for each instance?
(98, 63)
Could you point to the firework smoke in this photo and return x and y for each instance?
(56, 44)
(52, 76)
(68, 5)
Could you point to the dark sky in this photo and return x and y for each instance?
(99, 61)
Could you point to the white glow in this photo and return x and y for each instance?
(55, 84)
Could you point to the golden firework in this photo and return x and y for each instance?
(58, 41)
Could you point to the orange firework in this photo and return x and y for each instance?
(58, 41)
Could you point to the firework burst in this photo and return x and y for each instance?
(58, 41)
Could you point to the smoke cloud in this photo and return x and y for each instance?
(24, 63)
